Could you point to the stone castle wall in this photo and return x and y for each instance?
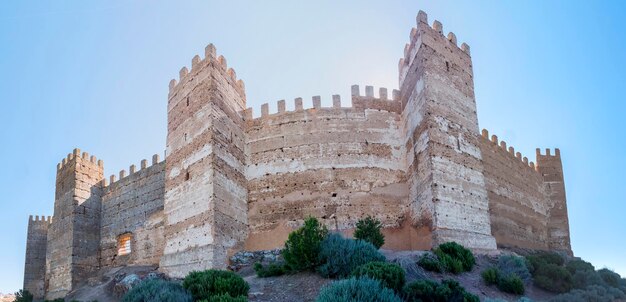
(413, 159)
(134, 204)
(338, 164)
(518, 201)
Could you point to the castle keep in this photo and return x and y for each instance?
(413, 158)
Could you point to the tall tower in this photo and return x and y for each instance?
(445, 171)
(74, 234)
(205, 190)
(35, 264)
(551, 169)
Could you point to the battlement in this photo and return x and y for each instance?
(132, 170)
(77, 154)
(411, 48)
(197, 64)
(36, 219)
(510, 150)
(557, 153)
(368, 101)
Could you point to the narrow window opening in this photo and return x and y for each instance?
(447, 66)
(187, 176)
(123, 244)
(187, 101)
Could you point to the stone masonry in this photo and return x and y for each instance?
(412, 158)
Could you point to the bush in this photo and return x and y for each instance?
(340, 256)
(543, 258)
(273, 269)
(206, 284)
(303, 246)
(511, 284)
(591, 293)
(455, 258)
(490, 276)
(431, 291)
(368, 229)
(157, 290)
(578, 265)
(548, 272)
(610, 277)
(390, 275)
(23, 295)
(226, 298)
(361, 290)
(514, 265)
(430, 262)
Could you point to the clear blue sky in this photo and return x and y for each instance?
(94, 75)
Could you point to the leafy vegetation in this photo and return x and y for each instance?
(455, 258)
(511, 284)
(431, 291)
(157, 290)
(430, 262)
(303, 246)
(225, 298)
(590, 294)
(369, 229)
(207, 284)
(490, 276)
(23, 296)
(353, 289)
(272, 270)
(340, 256)
(390, 275)
(549, 273)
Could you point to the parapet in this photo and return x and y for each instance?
(411, 48)
(77, 154)
(557, 153)
(369, 101)
(133, 170)
(511, 151)
(37, 219)
(197, 64)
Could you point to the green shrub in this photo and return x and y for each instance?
(390, 275)
(511, 284)
(610, 277)
(541, 258)
(340, 256)
(206, 284)
(430, 262)
(157, 290)
(591, 293)
(225, 298)
(273, 269)
(577, 265)
(368, 229)
(514, 265)
(357, 290)
(548, 272)
(23, 295)
(303, 245)
(490, 276)
(455, 258)
(431, 291)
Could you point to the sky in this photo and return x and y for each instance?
(94, 75)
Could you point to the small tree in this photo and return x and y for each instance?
(303, 246)
(368, 229)
(23, 296)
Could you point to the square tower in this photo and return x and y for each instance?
(205, 203)
(445, 171)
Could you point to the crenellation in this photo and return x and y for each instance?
(317, 102)
(336, 101)
(416, 160)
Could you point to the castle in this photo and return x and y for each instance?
(414, 160)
